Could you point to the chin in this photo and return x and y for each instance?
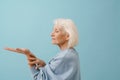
(54, 43)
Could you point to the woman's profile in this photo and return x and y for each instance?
(65, 64)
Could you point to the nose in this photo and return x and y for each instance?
(52, 34)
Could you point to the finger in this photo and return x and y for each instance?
(38, 66)
(10, 49)
(31, 55)
(32, 59)
(38, 61)
(35, 62)
(32, 63)
(13, 49)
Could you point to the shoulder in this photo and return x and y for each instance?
(71, 54)
(67, 55)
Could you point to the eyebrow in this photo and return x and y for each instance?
(56, 29)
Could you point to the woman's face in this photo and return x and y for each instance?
(58, 35)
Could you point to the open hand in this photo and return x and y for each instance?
(32, 59)
(20, 50)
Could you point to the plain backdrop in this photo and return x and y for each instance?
(28, 24)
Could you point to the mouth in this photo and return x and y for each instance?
(53, 38)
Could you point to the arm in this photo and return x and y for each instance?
(61, 67)
(32, 59)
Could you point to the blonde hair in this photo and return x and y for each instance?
(69, 27)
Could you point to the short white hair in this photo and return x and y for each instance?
(69, 27)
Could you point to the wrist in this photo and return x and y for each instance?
(29, 54)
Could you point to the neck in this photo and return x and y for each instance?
(63, 46)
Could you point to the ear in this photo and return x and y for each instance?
(67, 37)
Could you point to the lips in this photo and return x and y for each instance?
(53, 38)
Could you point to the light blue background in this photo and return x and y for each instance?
(28, 24)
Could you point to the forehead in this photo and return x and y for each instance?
(57, 27)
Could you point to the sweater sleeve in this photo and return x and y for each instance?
(47, 72)
(62, 67)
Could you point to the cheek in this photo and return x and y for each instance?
(60, 39)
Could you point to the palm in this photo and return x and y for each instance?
(20, 50)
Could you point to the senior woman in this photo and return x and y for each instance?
(63, 66)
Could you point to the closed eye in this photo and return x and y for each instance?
(56, 31)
